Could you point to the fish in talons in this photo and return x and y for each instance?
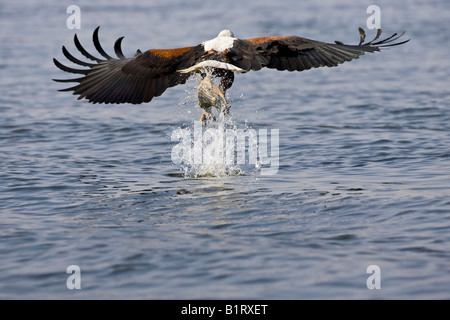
(210, 95)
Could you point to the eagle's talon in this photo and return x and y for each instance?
(207, 116)
(226, 109)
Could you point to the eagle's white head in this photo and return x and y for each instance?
(226, 33)
(222, 42)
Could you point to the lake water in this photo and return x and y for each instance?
(363, 176)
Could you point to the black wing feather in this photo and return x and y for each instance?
(286, 53)
(118, 49)
(98, 46)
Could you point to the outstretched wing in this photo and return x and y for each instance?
(297, 54)
(127, 80)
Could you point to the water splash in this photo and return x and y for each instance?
(210, 149)
(217, 147)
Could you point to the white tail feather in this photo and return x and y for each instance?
(212, 64)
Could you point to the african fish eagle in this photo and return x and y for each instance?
(148, 74)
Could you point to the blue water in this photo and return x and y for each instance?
(363, 177)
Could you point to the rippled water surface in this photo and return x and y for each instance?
(363, 176)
